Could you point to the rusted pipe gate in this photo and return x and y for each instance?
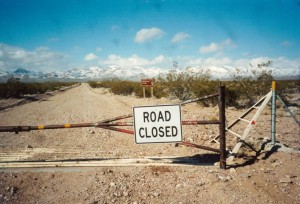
(112, 124)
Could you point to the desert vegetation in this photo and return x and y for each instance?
(242, 91)
(14, 88)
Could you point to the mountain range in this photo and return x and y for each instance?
(135, 73)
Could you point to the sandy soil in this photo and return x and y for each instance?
(262, 177)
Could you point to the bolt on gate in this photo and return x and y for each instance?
(114, 125)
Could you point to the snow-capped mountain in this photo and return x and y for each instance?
(94, 72)
(228, 72)
(23, 73)
(134, 73)
(137, 73)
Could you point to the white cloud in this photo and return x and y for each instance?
(40, 59)
(213, 47)
(133, 60)
(90, 57)
(147, 34)
(18, 54)
(180, 37)
(216, 47)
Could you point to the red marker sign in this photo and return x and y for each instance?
(147, 82)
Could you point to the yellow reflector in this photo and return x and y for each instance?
(67, 125)
(273, 85)
(41, 127)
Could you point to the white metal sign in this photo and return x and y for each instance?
(157, 124)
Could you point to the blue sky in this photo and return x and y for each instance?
(51, 35)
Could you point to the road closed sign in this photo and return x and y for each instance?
(157, 124)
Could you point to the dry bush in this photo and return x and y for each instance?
(14, 88)
(242, 92)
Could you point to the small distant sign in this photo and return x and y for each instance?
(157, 124)
(147, 82)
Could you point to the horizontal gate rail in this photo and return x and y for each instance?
(199, 99)
(199, 146)
(17, 129)
(119, 130)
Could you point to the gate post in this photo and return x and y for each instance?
(222, 127)
(273, 113)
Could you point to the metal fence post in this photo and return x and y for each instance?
(222, 127)
(273, 114)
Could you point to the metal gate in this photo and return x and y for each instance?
(114, 125)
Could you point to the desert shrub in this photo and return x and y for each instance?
(94, 84)
(34, 88)
(125, 87)
(2, 90)
(232, 96)
(203, 87)
(182, 84)
(243, 91)
(122, 87)
(14, 88)
(138, 91)
(286, 88)
(108, 83)
(247, 89)
(117, 86)
(104, 83)
(160, 89)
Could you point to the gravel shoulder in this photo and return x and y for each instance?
(267, 176)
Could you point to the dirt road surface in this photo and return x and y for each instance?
(255, 177)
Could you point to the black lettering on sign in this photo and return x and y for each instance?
(160, 117)
(167, 115)
(140, 133)
(152, 116)
(161, 131)
(174, 131)
(168, 131)
(154, 132)
(146, 116)
(148, 136)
